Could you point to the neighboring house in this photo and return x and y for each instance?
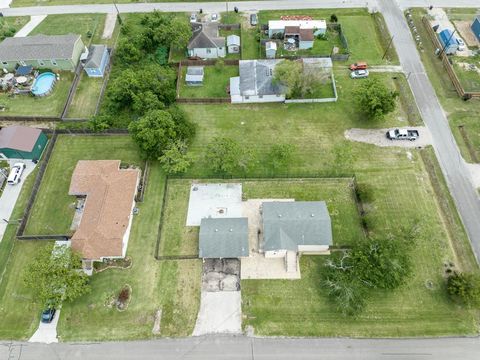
(56, 52)
(270, 49)
(448, 41)
(22, 142)
(97, 61)
(223, 238)
(292, 228)
(255, 83)
(106, 220)
(276, 28)
(233, 44)
(304, 38)
(194, 76)
(476, 27)
(206, 42)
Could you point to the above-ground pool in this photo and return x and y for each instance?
(43, 84)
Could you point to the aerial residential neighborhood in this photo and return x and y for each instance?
(269, 178)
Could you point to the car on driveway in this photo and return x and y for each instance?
(193, 18)
(214, 17)
(461, 44)
(47, 315)
(358, 74)
(358, 66)
(403, 134)
(253, 19)
(16, 173)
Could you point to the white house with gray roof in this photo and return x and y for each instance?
(206, 43)
(255, 83)
(56, 52)
(299, 226)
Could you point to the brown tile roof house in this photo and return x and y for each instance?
(110, 198)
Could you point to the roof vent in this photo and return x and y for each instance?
(216, 230)
(312, 215)
(279, 215)
(231, 230)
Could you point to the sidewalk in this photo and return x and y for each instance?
(32, 24)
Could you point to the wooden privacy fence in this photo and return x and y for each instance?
(447, 65)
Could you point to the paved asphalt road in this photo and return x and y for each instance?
(227, 347)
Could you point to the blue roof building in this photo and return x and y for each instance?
(448, 41)
(97, 61)
(476, 27)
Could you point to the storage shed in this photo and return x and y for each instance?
(476, 27)
(97, 61)
(448, 41)
(270, 49)
(194, 76)
(22, 142)
(233, 44)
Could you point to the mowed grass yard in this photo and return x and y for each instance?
(53, 210)
(51, 105)
(179, 239)
(15, 22)
(86, 97)
(460, 113)
(215, 83)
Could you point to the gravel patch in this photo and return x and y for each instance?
(377, 137)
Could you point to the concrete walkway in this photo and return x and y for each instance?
(32, 24)
(110, 22)
(46, 333)
(10, 195)
(386, 68)
(220, 313)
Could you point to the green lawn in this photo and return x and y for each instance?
(12, 22)
(86, 97)
(51, 105)
(215, 83)
(80, 24)
(249, 43)
(53, 209)
(365, 45)
(470, 79)
(460, 113)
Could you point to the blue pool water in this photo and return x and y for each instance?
(43, 84)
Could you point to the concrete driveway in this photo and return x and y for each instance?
(11, 193)
(46, 333)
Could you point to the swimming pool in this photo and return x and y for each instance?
(43, 84)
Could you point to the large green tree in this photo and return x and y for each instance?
(160, 29)
(464, 287)
(374, 98)
(153, 132)
(225, 155)
(55, 276)
(175, 158)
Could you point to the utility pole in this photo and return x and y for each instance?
(118, 13)
(388, 47)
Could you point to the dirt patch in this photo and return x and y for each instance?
(466, 32)
(125, 263)
(377, 137)
(123, 298)
(156, 322)
(221, 275)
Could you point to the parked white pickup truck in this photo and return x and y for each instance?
(402, 134)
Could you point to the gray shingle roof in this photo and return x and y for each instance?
(38, 47)
(223, 238)
(286, 225)
(256, 77)
(204, 36)
(95, 56)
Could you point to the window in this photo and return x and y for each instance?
(54, 62)
(209, 51)
(41, 62)
(247, 97)
(4, 63)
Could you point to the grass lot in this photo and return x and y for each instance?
(53, 209)
(76, 24)
(14, 22)
(51, 105)
(459, 112)
(470, 79)
(86, 97)
(215, 83)
(366, 45)
(250, 46)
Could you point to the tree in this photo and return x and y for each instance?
(54, 276)
(159, 29)
(128, 51)
(175, 158)
(146, 101)
(225, 155)
(464, 287)
(99, 123)
(185, 128)
(375, 99)
(281, 155)
(333, 18)
(153, 132)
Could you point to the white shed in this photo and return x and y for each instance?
(233, 44)
(270, 49)
(194, 76)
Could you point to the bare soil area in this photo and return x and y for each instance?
(466, 33)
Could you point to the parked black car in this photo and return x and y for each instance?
(48, 315)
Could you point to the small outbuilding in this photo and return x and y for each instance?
(233, 44)
(476, 27)
(22, 142)
(448, 41)
(223, 238)
(194, 75)
(270, 49)
(97, 61)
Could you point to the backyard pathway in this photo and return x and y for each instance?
(35, 20)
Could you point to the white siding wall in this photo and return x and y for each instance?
(305, 249)
(305, 45)
(257, 99)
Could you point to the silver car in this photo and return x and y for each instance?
(358, 74)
